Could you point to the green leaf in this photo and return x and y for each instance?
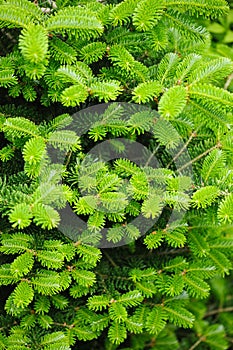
(113, 202)
(105, 90)
(156, 320)
(54, 341)
(205, 196)
(175, 238)
(20, 127)
(133, 325)
(174, 285)
(22, 295)
(173, 102)
(77, 291)
(121, 13)
(33, 43)
(117, 333)
(18, 339)
(167, 67)
(28, 321)
(42, 305)
(198, 244)
(64, 139)
(34, 154)
(61, 51)
(74, 95)
(76, 19)
(45, 321)
(6, 275)
(221, 262)
(22, 264)
(90, 255)
(180, 316)
(196, 286)
(154, 239)
(200, 7)
(59, 301)
(125, 167)
(146, 288)
(212, 97)
(84, 333)
(152, 207)
(209, 71)
(147, 91)
(213, 165)
(83, 277)
(98, 303)
(141, 122)
(140, 274)
(86, 205)
(225, 209)
(99, 322)
(7, 77)
(117, 312)
(45, 216)
(51, 260)
(132, 298)
(202, 271)
(215, 337)
(15, 243)
(216, 28)
(166, 134)
(21, 215)
(19, 13)
(47, 282)
(147, 14)
(123, 59)
(187, 28)
(140, 187)
(92, 52)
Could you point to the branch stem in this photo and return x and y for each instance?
(110, 259)
(198, 157)
(199, 341)
(193, 134)
(228, 82)
(152, 155)
(218, 311)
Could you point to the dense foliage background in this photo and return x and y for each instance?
(170, 288)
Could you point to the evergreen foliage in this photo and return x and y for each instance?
(161, 290)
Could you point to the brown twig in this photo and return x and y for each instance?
(199, 157)
(228, 82)
(110, 259)
(193, 134)
(218, 311)
(197, 343)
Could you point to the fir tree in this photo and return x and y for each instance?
(63, 291)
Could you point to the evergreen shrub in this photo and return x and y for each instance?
(135, 72)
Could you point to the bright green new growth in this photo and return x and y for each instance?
(61, 292)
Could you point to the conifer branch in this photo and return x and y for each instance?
(219, 311)
(184, 147)
(199, 341)
(199, 157)
(72, 55)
